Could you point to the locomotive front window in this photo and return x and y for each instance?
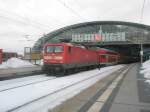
(51, 49)
(58, 49)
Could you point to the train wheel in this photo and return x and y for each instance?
(45, 69)
(77, 70)
(69, 71)
(49, 72)
(64, 72)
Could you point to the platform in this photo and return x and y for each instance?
(133, 95)
(126, 92)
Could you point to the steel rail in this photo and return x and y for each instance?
(28, 84)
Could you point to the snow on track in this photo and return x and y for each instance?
(4, 82)
(19, 82)
(21, 96)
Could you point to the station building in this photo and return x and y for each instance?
(123, 37)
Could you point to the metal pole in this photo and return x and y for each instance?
(141, 53)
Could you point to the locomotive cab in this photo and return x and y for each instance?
(53, 57)
(54, 54)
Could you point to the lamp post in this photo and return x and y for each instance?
(141, 53)
(141, 42)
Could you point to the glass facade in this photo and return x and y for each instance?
(97, 34)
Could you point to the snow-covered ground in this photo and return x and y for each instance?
(15, 63)
(19, 96)
(19, 82)
(146, 70)
(37, 62)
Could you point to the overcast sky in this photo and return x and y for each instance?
(22, 22)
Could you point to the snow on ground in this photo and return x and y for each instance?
(15, 63)
(146, 64)
(146, 71)
(14, 83)
(37, 62)
(147, 81)
(19, 96)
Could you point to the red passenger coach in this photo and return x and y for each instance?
(65, 56)
(108, 57)
(1, 54)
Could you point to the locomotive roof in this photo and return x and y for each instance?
(59, 44)
(69, 44)
(108, 50)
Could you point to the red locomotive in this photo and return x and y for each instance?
(65, 56)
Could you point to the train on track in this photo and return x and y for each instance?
(64, 57)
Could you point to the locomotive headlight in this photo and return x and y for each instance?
(58, 57)
(47, 57)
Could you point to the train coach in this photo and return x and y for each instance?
(65, 56)
(108, 57)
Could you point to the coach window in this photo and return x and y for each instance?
(104, 56)
(69, 49)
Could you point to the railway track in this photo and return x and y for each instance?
(9, 86)
(59, 89)
(15, 74)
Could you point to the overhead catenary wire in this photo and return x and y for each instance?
(71, 9)
(22, 20)
(29, 37)
(142, 11)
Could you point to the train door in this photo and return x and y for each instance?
(103, 59)
(71, 56)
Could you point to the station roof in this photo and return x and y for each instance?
(135, 33)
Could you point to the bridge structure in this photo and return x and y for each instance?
(125, 37)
